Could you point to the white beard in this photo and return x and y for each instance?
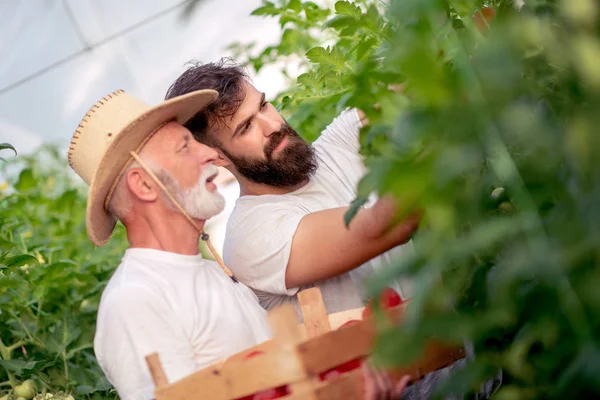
(198, 201)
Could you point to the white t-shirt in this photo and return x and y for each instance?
(260, 229)
(183, 307)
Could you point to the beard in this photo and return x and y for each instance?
(295, 164)
(197, 201)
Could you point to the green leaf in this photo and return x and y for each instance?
(20, 260)
(295, 5)
(6, 244)
(342, 22)
(18, 366)
(348, 8)
(268, 9)
(372, 19)
(310, 80)
(354, 207)
(364, 47)
(317, 55)
(8, 146)
(26, 181)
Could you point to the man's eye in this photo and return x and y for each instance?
(245, 128)
(264, 104)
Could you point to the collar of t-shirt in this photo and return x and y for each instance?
(165, 256)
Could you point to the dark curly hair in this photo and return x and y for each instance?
(226, 77)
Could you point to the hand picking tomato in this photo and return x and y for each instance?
(483, 17)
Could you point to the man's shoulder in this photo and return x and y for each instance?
(123, 292)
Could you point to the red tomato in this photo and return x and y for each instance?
(387, 298)
(483, 18)
(268, 394)
(348, 323)
(340, 369)
(253, 353)
(330, 374)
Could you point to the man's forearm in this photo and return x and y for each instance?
(379, 220)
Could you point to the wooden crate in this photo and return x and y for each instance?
(296, 356)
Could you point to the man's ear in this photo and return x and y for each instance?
(222, 160)
(141, 185)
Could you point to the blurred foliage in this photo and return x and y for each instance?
(51, 281)
(482, 114)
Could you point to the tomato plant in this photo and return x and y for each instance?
(51, 280)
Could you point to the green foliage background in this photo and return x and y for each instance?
(51, 279)
(492, 135)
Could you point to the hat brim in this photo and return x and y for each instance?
(100, 223)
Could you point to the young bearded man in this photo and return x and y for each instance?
(145, 169)
(286, 231)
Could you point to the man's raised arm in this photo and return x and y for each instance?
(323, 247)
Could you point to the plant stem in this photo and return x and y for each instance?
(15, 346)
(64, 357)
(5, 352)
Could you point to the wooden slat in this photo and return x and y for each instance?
(158, 374)
(286, 333)
(340, 318)
(316, 320)
(336, 347)
(436, 356)
(266, 371)
(335, 320)
(348, 343)
(284, 325)
(266, 347)
(347, 386)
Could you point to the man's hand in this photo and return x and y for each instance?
(377, 384)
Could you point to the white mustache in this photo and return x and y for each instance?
(210, 170)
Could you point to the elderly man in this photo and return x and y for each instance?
(145, 169)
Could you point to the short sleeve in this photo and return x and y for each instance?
(343, 132)
(258, 244)
(132, 323)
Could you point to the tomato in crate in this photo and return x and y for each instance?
(345, 367)
(268, 394)
(387, 299)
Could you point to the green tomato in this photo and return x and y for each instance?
(27, 389)
(21, 398)
(498, 193)
(507, 207)
(5, 397)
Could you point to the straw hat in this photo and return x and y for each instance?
(111, 129)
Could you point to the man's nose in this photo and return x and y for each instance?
(207, 154)
(268, 125)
